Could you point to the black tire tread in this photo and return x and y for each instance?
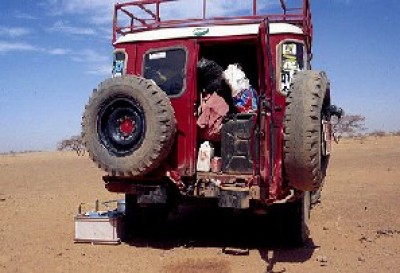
(302, 130)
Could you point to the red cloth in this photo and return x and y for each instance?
(213, 109)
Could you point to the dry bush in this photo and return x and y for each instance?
(350, 125)
(378, 133)
(73, 143)
(14, 153)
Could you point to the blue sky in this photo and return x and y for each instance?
(54, 52)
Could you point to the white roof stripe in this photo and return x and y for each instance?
(209, 31)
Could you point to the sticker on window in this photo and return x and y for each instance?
(158, 55)
(292, 60)
(118, 64)
(289, 49)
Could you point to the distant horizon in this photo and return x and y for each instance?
(375, 134)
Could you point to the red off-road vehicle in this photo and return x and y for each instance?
(140, 126)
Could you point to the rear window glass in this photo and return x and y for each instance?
(167, 69)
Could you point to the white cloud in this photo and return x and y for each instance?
(93, 62)
(14, 31)
(63, 27)
(96, 11)
(89, 56)
(104, 70)
(58, 51)
(16, 46)
(7, 47)
(96, 63)
(25, 16)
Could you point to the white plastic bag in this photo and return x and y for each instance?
(206, 152)
(236, 79)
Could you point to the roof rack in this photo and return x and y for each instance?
(145, 15)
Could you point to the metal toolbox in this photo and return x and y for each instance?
(102, 227)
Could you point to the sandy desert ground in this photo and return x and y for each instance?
(355, 228)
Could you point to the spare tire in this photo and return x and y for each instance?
(128, 126)
(306, 104)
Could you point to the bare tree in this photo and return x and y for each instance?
(350, 125)
(74, 143)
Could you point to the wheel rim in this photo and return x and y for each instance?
(121, 126)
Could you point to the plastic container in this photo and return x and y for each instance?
(206, 152)
(216, 164)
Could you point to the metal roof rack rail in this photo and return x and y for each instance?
(142, 15)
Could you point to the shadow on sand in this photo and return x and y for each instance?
(210, 227)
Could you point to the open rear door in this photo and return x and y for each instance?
(171, 65)
(267, 79)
